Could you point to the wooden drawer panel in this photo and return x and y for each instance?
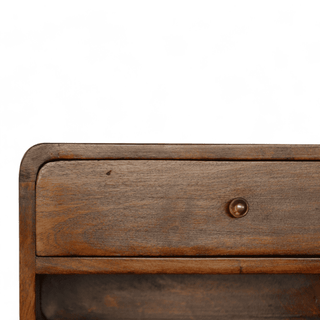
(177, 208)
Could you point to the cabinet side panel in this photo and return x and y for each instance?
(27, 250)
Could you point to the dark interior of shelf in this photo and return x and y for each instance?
(165, 296)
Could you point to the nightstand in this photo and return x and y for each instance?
(141, 231)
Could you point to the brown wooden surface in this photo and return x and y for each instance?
(39, 154)
(177, 208)
(180, 297)
(177, 265)
(27, 250)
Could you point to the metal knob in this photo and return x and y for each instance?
(238, 207)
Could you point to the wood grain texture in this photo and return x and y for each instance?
(287, 296)
(177, 208)
(39, 154)
(177, 265)
(180, 297)
(27, 250)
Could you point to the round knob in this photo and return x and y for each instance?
(238, 207)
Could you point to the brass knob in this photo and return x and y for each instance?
(238, 207)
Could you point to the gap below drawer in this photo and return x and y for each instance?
(167, 296)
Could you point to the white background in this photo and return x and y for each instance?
(149, 72)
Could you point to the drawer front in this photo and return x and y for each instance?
(177, 208)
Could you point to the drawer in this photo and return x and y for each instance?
(177, 208)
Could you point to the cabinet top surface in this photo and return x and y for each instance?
(40, 154)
